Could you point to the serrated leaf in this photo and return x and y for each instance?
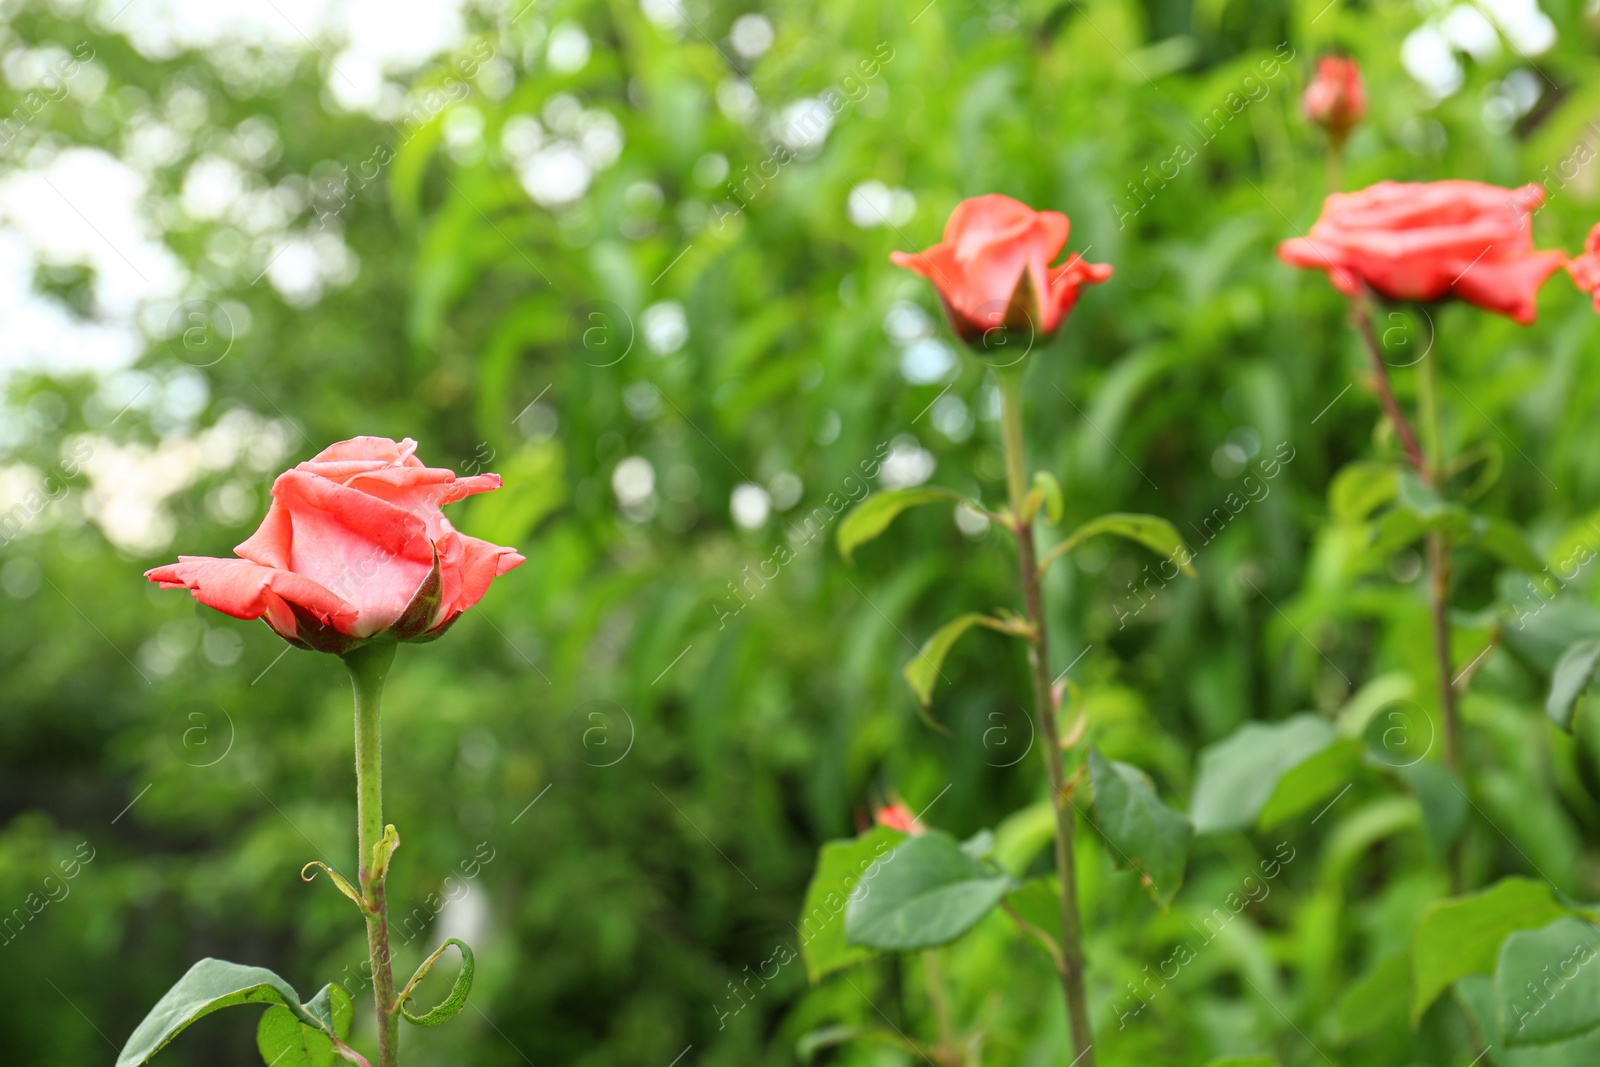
(1156, 534)
(923, 670)
(1144, 833)
(457, 997)
(926, 892)
(1572, 675)
(1546, 984)
(1359, 489)
(840, 866)
(1462, 936)
(873, 515)
(206, 987)
(1238, 776)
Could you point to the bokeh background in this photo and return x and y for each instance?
(634, 258)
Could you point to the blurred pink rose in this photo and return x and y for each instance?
(1430, 240)
(1336, 100)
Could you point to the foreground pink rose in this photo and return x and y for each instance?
(1585, 269)
(354, 547)
(992, 268)
(1429, 240)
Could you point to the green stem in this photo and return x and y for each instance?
(369, 666)
(1430, 470)
(1072, 965)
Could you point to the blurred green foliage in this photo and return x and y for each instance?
(651, 773)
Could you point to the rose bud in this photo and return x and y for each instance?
(1336, 100)
(897, 816)
(1585, 268)
(992, 268)
(353, 549)
(1430, 240)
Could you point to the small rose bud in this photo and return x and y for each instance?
(1336, 100)
(897, 817)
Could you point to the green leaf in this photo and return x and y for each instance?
(284, 1041)
(1546, 985)
(840, 866)
(1243, 1061)
(1049, 490)
(1572, 675)
(923, 670)
(458, 991)
(1377, 999)
(1506, 542)
(208, 986)
(1310, 783)
(1462, 936)
(873, 515)
(1238, 776)
(1144, 833)
(1444, 805)
(1359, 489)
(1477, 997)
(1156, 534)
(926, 892)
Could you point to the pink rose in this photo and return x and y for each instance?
(993, 268)
(1585, 268)
(1429, 240)
(354, 547)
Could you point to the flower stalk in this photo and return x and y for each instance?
(1439, 553)
(369, 667)
(1071, 960)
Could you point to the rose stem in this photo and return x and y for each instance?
(1071, 968)
(369, 666)
(1439, 557)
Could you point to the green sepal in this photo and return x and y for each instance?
(340, 882)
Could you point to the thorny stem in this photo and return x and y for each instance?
(1439, 554)
(369, 666)
(1072, 965)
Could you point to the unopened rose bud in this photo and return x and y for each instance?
(1336, 100)
(897, 817)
